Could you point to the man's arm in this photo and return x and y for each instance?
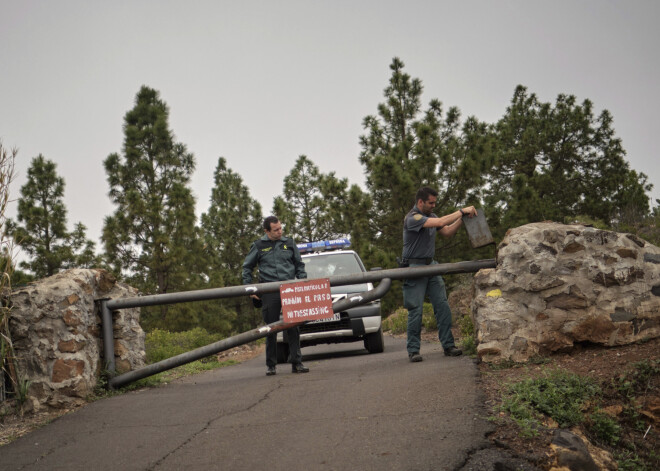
(450, 219)
(448, 225)
(249, 264)
(451, 229)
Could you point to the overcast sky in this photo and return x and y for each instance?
(262, 82)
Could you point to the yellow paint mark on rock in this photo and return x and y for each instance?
(496, 293)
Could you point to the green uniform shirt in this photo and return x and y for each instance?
(278, 260)
(418, 241)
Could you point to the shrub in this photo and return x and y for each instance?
(605, 428)
(161, 344)
(638, 381)
(468, 336)
(397, 322)
(428, 318)
(558, 394)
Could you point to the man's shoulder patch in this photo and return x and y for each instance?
(417, 217)
(263, 245)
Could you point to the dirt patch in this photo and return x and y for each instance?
(242, 352)
(609, 367)
(14, 425)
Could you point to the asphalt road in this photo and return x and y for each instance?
(352, 411)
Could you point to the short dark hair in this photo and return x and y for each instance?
(424, 193)
(268, 221)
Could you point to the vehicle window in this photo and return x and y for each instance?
(321, 266)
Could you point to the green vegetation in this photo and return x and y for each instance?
(312, 206)
(468, 335)
(233, 216)
(397, 322)
(210, 363)
(557, 394)
(634, 451)
(638, 382)
(161, 344)
(628, 461)
(428, 318)
(151, 238)
(17, 387)
(605, 427)
(624, 428)
(42, 230)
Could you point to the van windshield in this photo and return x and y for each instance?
(323, 266)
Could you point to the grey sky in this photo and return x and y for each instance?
(262, 82)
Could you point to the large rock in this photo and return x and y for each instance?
(557, 285)
(56, 331)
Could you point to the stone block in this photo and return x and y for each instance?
(70, 346)
(561, 284)
(67, 369)
(57, 334)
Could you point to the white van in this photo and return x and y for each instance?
(360, 323)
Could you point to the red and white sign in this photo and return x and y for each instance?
(306, 300)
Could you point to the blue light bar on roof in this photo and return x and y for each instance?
(321, 245)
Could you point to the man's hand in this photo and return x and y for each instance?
(470, 211)
(256, 301)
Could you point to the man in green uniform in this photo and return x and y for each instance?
(419, 229)
(278, 259)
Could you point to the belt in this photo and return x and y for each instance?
(421, 261)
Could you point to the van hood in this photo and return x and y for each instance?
(359, 288)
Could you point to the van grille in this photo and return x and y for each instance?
(343, 324)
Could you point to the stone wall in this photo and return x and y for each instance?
(557, 285)
(56, 331)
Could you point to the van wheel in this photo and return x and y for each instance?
(282, 352)
(374, 342)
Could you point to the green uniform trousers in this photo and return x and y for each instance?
(414, 292)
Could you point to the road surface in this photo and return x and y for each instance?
(352, 411)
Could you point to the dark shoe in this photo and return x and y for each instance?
(271, 371)
(453, 352)
(299, 368)
(415, 357)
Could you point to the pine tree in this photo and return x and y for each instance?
(232, 223)
(406, 148)
(84, 250)
(312, 205)
(151, 237)
(557, 162)
(43, 234)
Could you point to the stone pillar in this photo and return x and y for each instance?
(56, 330)
(556, 285)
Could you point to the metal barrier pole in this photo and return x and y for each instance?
(108, 337)
(107, 306)
(338, 280)
(240, 339)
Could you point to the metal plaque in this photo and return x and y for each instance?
(477, 229)
(306, 300)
